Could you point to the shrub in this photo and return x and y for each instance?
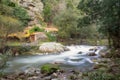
(36, 29)
(51, 37)
(1, 74)
(100, 75)
(21, 14)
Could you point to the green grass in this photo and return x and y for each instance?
(14, 43)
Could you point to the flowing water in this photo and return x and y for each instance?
(75, 58)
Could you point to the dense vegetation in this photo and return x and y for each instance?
(12, 19)
(88, 21)
(106, 14)
(69, 19)
(85, 19)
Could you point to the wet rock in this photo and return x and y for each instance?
(105, 53)
(79, 52)
(31, 71)
(91, 54)
(52, 47)
(73, 77)
(47, 78)
(54, 75)
(33, 78)
(56, 79)
(100, 65)
(102, 54)
(58, 61)
(93, 49)
(73, 71)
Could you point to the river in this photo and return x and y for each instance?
(75, 58)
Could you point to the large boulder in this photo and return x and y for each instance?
(91, 54)
(32, 71)
(52, 47)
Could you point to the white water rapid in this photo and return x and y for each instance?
(76, 57)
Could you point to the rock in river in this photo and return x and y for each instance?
(52, 47)
(91, 54)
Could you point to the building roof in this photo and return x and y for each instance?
(51, 29)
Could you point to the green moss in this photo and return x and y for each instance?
(2, 74)
(49, 68)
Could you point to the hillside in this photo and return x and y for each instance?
(34, 9)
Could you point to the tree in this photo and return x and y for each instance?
(47, 13)
(51, 9)
(67, 23)
(8, 25)
(12, 19)
(21, 15)
(9, 8)
(106, 14)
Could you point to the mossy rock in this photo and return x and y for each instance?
(49, 68)
(97, 66)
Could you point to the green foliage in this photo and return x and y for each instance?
(21, 14)
(69, 4)
(2, 74)
(6, 10)
(106, 14)
(50, 10)
(67, 23)
(12, 18)
(8, 25)
(36, 29)
(6, 2)
(49, 68)
(11, 9)
(23, 49)
(3, 60)
(51, 36)
(98, 75)
(47, 13)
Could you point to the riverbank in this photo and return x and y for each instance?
(107, 69)
(34, 73)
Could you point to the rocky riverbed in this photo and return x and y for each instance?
(107, 69)
(72, 63)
